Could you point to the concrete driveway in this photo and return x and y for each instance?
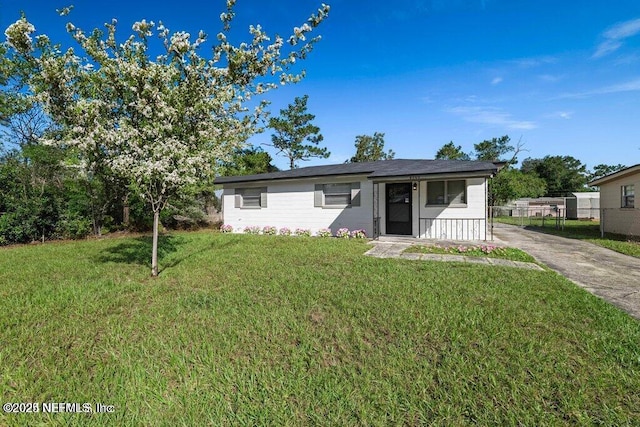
(610, 275)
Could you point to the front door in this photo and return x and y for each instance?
(399, 208)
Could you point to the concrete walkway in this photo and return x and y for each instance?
(382, 249)
(610, 275)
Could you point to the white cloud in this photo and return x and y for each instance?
(630, 86)
(534, 61)
(623, 29)
(560, 115)
(550, 78)
(491, 116)
(614, 36)
(496, 81)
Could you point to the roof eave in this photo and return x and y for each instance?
(433, 176)
(251, 179)
(614, 176)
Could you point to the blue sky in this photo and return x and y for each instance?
(563, 76)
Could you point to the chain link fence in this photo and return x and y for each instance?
(543, 216)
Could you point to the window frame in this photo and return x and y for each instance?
(628, 197)
(320, 193)
(446, 194)
(326, 193)
(241, 196)
(443, 193)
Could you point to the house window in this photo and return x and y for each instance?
(628, 196)
(447, 192)
(435, 193)
(456, 192)
(251, 198)
(338, 195)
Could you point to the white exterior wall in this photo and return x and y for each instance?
(463, 222)
(291, 204)
(614, 218)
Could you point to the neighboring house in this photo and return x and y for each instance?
(583, 205)
(538, 207)
(618, 211)
(432, 199)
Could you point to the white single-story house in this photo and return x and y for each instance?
(428, 199)
(618, 211)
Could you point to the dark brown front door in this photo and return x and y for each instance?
(399, 208)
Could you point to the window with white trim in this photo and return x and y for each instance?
(628, 196)
(337, 195)
(251, 198)
(446, 192)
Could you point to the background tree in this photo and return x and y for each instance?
(163, 123)
(292, 129)
(603, 170)
(496, 150)
(247, 161)
(370, 148)
(562, 174)
(450, 151)
(511, 184)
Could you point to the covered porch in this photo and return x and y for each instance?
(441, 207)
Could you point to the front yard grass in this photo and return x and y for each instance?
(582, 230)
(488, 251)
(263, 330)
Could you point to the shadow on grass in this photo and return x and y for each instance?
(580, 231)
(138, 251)
(571, 233)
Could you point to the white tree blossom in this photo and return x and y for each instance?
(19, 33)
(162, 123)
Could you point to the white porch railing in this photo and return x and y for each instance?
(453, 229)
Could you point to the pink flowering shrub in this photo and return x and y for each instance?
(304, 232)
(487, 249)
(252, 229)
(462, 249)
(359, 234)
(285, 231)
(324, 232)
(343, 233)
(480, 250)
(226, 228)
(269, 230)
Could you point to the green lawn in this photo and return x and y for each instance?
(583, 230)
(260, 330)
(488, 251)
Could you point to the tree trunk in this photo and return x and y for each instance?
(125, 211)
(154, 250)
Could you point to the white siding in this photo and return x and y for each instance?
(463, 222)
(614, 218)
(291, 204)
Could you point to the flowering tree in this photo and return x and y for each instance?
(162, 123)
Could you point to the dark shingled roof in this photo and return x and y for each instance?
(379, 169)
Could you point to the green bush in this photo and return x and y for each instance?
(77, 227)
